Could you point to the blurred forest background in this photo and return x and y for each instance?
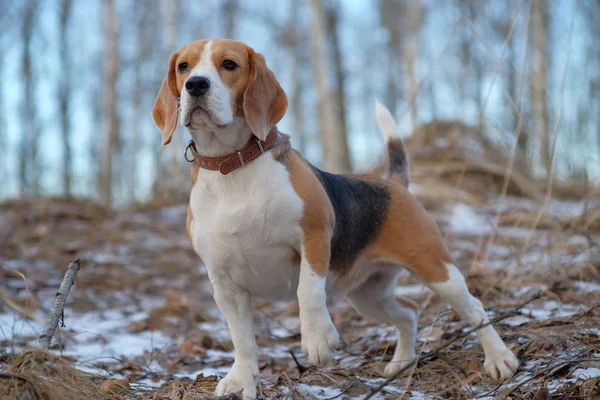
(78, 79)
(499, 103)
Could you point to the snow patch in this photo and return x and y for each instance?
(465, 220)
(319, 392)
(587, 287)
(586, 373)
(516, 321)
(551, 309)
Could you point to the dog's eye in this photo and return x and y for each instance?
(182, 67)
(229, 65)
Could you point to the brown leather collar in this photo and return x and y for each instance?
(231, 162)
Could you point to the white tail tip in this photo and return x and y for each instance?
(386, 121)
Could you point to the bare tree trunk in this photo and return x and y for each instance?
(403, 19)
(465, 53)
(110, 132)
(538, 79)
(475, 64)
(229, 12)
(171, 176)
(512, 83)
(335, 147)
(4, 165)
(595, 83)
(340, 94)
(293, 39)
(296, 106)
(168, 12)
(596, 107)
(390, 13)
(141, 51)
(432, 100)
(513, 88)
(94, 146)
(412, 23)
(64, 94)
(28, 160)
(4, 168)
(392, 92)
(477, 96)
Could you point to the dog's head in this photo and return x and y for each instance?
(212, 84)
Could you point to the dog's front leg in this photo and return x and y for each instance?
(319, 336)
(236, 306)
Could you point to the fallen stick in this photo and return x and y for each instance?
(459, 334)
(59, 304)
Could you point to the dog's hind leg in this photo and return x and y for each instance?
(500, 362)
(375, 299)
(410, 237)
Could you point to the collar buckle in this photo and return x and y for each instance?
(241, 157)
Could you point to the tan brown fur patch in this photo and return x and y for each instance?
(190, 217)
(190, 54)
(409, 236)
(165, 110)
(318, 221)
(188, 223)
(265, 101)
(237, 79)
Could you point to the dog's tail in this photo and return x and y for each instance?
(399, 168)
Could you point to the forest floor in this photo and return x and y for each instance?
(141, 322)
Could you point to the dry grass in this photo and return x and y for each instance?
(41, 375)
(551, 348)
(140, 261)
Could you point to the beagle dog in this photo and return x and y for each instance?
(267, 223)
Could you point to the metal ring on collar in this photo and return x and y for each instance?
(185, 153)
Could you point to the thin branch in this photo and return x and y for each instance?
(301, 368)
(59, 304)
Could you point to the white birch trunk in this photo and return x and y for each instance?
(335, 148)
(412, 23)
(28, 157)
(172, 170)
(538, 78)
(109, 135)
(338, 62)
(64, 95)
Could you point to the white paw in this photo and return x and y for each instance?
(241, 380)
(319, 340)
(501, 365)
(394, 367)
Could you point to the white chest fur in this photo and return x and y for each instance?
(246, 227)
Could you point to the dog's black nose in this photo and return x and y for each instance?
(197, 85)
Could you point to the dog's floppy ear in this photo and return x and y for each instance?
(265, 101)
(166, 106)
